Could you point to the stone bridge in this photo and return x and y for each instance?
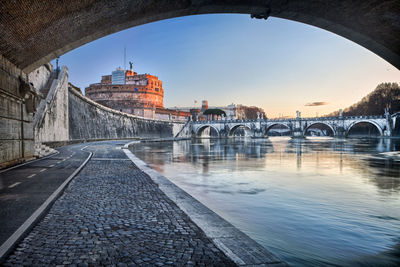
(297, 127)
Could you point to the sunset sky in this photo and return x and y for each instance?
(277, 64)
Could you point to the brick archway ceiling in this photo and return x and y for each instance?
(33, 32)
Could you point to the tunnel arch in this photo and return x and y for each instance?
(323, 123)
(380, 130)
(31, 37)
(237, 126)
(200, 130)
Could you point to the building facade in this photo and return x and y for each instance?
(137, 94)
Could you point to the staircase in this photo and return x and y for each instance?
(43, 150)
(185, 127)
(45, 90)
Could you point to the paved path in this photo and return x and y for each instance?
(112, 213)
(23, 189)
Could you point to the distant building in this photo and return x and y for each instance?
(204, 105)
(232, 111)
(118, 76)
(138, 94)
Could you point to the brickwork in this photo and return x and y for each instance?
(33, 32)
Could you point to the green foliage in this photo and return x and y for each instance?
(375, 102)
(251, 112)
(214, 111)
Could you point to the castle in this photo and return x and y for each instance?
(137, 94)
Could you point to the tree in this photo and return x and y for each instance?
(214, 111)
(385, 94)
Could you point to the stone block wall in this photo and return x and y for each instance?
(89, 120)
(16, 131)
(40, 76)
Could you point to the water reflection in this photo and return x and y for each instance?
(318, 200)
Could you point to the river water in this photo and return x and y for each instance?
(312, 202)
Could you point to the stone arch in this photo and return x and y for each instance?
(268, 128)
(235, 127)
(203, 127)
(319, 122)
(369, 23)
(366, 121)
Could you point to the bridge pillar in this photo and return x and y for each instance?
(388, 130)
(340, 132)
(258, 134)
(297, 129)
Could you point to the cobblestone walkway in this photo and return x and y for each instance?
(114, 214)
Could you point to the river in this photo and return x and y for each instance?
(314, 201)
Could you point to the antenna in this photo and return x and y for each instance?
(124, 58)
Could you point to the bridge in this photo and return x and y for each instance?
(297, 127)
(33, 33)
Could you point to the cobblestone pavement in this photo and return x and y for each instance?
(114, 214)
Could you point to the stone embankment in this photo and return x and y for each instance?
(40, 108)
(89, 120)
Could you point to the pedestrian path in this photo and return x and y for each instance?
(112, 213)
(25, 187)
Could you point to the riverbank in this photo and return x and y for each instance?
(113, 212)
(235, 244)
(317, 201)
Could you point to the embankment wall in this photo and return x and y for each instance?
(89, 120)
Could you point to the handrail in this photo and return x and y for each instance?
(184, 126)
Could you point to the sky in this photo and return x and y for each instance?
(276, 64)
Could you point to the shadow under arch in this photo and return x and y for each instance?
(55, 27)
(234, 128)
(201, 129)
(380, 130)
(321, 123)
(269, 128)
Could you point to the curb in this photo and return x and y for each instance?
(13, 240)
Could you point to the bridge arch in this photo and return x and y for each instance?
(237, 126)
(57, 27)
(268, 128)
(319, 122)
(378, 127)
(200, 130)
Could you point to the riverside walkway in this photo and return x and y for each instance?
(113, 214)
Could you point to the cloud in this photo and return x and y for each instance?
(313, 104)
